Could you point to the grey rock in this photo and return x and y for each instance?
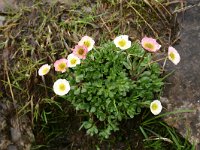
(4, 137)
(20, 130)
(183, 92)
(12, 147)
(15, 134)
(2, 19)
(4, 4)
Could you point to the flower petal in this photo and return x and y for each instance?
(156, 107)
(61, 65)
(80, 51)
(122, 42)
(72, 60)
(87, 42)
(44, 69)
(61, 87)
(150, 44)
(173, 55)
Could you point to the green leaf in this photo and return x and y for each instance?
(93, 109)
(101, 116)
(128, 66)
(83, 90)
(131, 112)
(87, 124)
(93, 130)
(79, 78)
(77, 91)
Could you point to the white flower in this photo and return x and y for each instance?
(87, 41)
(61, 87)
(72, 60)
(156, 107)
(44, 69)
(173, 55)
(122, 42)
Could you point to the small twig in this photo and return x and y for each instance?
(156, 60)
(143, 56)
(163, 68)
(162, 5)
(11, 91)
(159, 138)
(185, 8)
(121, 12)
(32, 116)
(9, 83)
(43, 79)
(106, 26)
(156, 35)
(158, 14)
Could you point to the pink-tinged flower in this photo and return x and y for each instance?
(44, 69)
(122, 42)
(150, 44)
(173, 55)
(61, 65)
(80, 51)
(87, 42)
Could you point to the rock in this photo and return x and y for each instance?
(4, 4)
(2, 19)
(12, 147)
(183, 92)
(21, 136)
(15, 134)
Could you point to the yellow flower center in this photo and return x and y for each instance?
(154, 106)
(62, 87)
(172, 56)
(45, 70)
(80, 51)
(122, 43)
(73, 61)
(62, 66)
(149, 45)
(87, 43)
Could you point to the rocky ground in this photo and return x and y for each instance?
(15, 132)
(182, 92)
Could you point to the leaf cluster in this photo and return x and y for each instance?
(111, 85)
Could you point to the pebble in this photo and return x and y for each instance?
(15, 134)
(12, 147)
(2, 19)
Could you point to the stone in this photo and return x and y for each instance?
(21, 136)
(12, 147)
(7, 4)
(4, 138)
(183, 90)
(15, 134)
(2, 19)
